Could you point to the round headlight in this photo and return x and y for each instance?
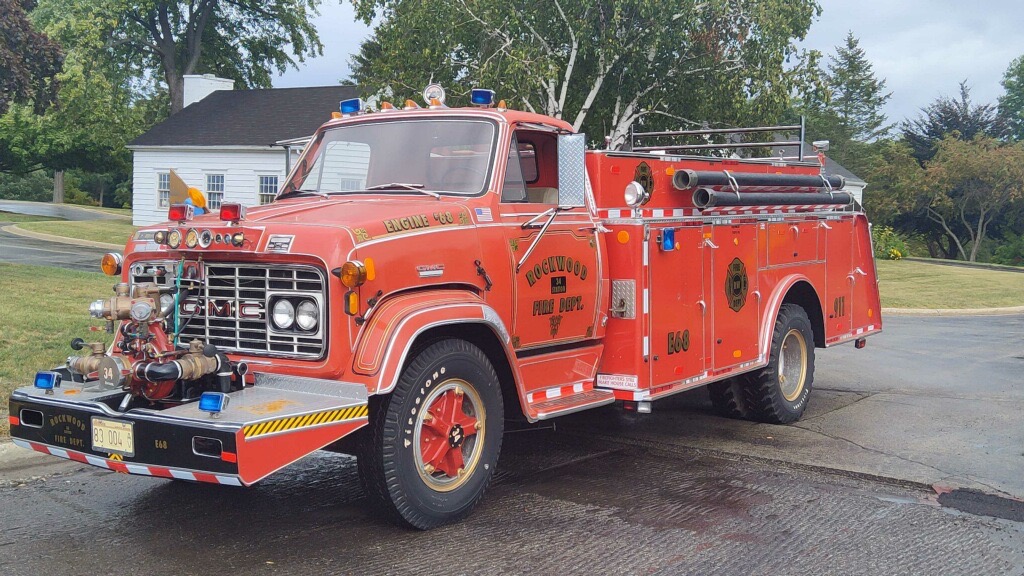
(307, 315)
(636, 195)
(284, 314)
(174, 238)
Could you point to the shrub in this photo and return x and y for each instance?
(889, 244)
(1011, 252)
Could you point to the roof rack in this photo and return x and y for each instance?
(638, 139)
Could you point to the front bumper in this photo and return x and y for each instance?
(263, 429)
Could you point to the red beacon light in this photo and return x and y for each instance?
(181, 213)
(232, 212)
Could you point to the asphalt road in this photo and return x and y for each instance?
(65, 211)
(20, 250)
(847, 491)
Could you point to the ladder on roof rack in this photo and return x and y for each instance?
(637, 139)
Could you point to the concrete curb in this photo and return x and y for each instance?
(954, 311)
(14, 229)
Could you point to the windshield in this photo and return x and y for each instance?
(441, 156)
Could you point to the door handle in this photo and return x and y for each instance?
(710, 244)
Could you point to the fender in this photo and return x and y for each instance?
(774, 304)
(385, 340)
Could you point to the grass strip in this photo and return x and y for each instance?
(109, 231)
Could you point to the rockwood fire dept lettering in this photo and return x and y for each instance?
(553, 264)
(567, 304)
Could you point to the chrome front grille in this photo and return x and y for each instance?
(231, 309)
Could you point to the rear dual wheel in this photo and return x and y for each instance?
(778, 393)
(433, 443)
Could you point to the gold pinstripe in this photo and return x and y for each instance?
(315, 419)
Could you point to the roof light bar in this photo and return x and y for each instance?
(351, 106)
(482, 97)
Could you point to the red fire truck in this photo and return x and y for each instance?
(426, 271)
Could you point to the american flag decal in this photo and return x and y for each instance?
(484, 215)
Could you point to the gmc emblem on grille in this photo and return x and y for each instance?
(223, 308)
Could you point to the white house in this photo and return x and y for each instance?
(222, 143)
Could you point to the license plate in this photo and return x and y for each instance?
(113, 436)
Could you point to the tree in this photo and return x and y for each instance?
(29, 61)
(968, 186)
(857, 95)
(601, 66)
(948, 116)
(245, 40)
(1011, 104)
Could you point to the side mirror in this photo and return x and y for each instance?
(572, 169)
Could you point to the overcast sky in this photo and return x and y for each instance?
(923, 48)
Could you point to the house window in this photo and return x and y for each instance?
(163, 189)
(214, 191)
(268, 189)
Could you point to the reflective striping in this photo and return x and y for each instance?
(559, 391)
(126, 468)
(305, 421)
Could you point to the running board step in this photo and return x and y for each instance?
(573, 403)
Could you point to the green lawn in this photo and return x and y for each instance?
(906, 284)
(109, 231)
(41, 310)
(12, 217)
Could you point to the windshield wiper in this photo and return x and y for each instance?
(404, 186)
(303, 191)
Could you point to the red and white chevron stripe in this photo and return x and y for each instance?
(717, 211)
(559, 391)
(129, 468)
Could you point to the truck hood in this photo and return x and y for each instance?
(364, 217)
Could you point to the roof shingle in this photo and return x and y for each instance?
(249, 117)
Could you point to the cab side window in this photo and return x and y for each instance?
(513, 189)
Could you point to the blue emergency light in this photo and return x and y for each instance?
(351, 106)
(47, 380)
(482, 97)
(668, 239)
(213, 402)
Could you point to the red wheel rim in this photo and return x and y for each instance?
(448, 435)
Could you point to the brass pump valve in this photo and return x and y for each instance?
(139, 305)
(86, 364)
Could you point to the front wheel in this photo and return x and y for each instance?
(778, 393)
(434, 441)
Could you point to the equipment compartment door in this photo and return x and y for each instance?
(839, 277)
(676, 314)
(735, 300)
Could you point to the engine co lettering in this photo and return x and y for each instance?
(222, 308)
(554, 264)
(567, 304)
(406, 223)
(678, 342)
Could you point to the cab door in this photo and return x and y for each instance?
(551, 239)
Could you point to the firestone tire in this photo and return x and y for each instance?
(433, 443)
(729, 397)
(778, 394)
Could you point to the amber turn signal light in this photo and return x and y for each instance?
(351, 303)
(111, 263)
(353, 273)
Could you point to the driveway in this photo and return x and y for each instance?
(21, 250)
(848, 490)
(65, 211)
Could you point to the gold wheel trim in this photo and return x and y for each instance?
(793, 365)
(473, 446)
